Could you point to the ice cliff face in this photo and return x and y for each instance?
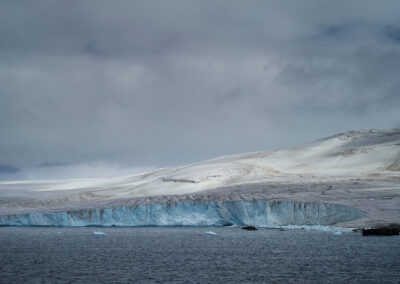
(256, 213)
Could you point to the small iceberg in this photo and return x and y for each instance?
(337, 233)
(210, 233)
(99, 233)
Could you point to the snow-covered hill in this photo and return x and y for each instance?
(368, 157)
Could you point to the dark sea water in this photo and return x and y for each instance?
(187, 255)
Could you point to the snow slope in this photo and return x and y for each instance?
(369, 157)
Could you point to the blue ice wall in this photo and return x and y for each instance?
(215, 213)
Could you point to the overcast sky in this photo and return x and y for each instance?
(96, 87)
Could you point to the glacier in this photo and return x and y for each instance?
(321, 183)
(213, 213)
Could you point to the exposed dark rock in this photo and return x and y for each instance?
(250, 228)
(178, 180)
(227, 224)
(391, 230)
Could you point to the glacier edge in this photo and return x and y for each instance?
(191, 213)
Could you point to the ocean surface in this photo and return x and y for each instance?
(188, 255)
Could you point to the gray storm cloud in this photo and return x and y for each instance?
(154, 83)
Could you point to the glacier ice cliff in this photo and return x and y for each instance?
(212, 213)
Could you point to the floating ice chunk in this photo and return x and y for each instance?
(210, 233)
(99, 233)
(337, 233)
